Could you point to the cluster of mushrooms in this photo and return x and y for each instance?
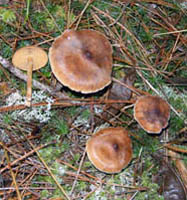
(82, 61)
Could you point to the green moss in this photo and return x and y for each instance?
(76, 157)
(7, 119)
(7, 15)
(85, 114)
(6, 50)
(81, 186)
(87, 164)
(62, 127)
(152, 188)
(44, 194)
(72, 111)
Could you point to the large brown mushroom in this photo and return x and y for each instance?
(29, 58)
(82, 60)
(152, 113)
(110, 149)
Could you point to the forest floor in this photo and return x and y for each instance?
(42, 147)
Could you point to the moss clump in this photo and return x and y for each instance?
(152, 189)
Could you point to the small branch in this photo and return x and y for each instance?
(35, 149)
(78, 172)
(19, 74)
(80, 16)
(23, 157)
(65, 103)
(13, 176)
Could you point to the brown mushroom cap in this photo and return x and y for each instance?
(82, 60)
(152, 113)
(110, 149)
(36, 54)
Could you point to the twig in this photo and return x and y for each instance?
(171, 32)
(31, 188)
(13, 176)
(123, 27)
(134, 195)
(35, 149)
(79, 177)
(81, 14)
(50, 16)
(172, 52)
(98, 180)
(8, 149)
(180, 165)
(78, 171)
(65, 103)
(133, 89)
(68, 15)
(30, 177)
(23, 157)
(176, 149)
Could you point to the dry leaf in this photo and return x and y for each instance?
(171, 186)
(180, 166)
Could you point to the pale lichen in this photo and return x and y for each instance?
(99, 193)
(39, 113)
(102, 126)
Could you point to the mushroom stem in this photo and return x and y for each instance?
(29, 82)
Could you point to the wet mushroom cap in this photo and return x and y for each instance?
(82, 60)
(21, 57)
(152, 113)
(110, 149)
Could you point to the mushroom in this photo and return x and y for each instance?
(82, 60)
(152, 113)
(110, 149)
(29, 58)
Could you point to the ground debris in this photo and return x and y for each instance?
(171, 186)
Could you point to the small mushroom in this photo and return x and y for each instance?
(152, 113)
(110, 149)
(29, 58)
(82, 60)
